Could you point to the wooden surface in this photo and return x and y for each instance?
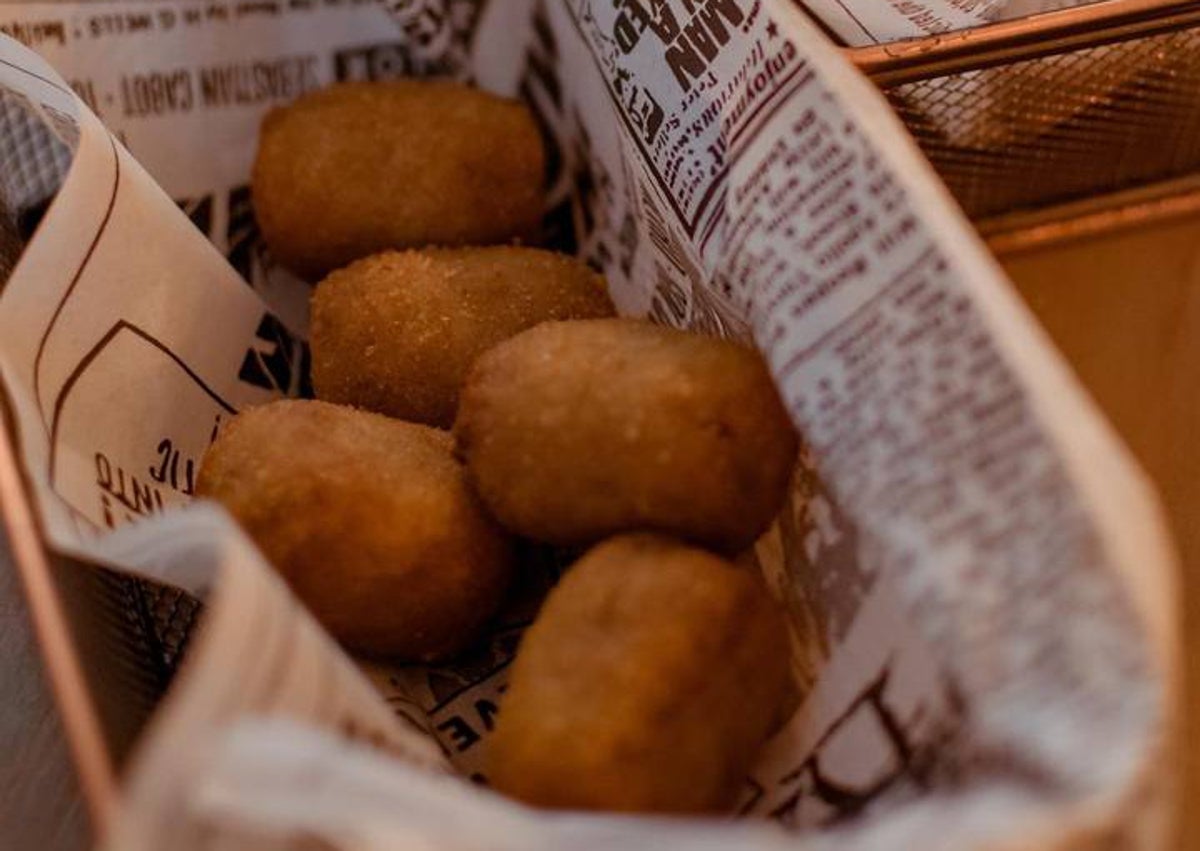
(1126, 312)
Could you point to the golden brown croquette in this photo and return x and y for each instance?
(573, 431)
(649, 681)
(357, 168)
(397, 332)
(370, 520)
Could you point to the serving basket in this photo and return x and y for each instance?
(1053, 108)
(1045, 129)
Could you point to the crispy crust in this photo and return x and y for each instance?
(397, 332)
(369, 520)
(356, 168)
(649, 681)
(573, 431)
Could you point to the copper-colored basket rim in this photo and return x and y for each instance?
(1116, 212)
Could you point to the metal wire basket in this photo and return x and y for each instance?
(1041, 114)
(1054, 107)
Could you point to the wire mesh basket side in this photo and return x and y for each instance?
(1060, 127)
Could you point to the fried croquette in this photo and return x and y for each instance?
(648, 683)
(370, 520)
(397, 332)
(573, 431)
(357, 168)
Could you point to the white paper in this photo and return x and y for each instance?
(986, 571)
(174, 80)
(1022, 8)
(859, 22)
(862, 22)
(121, 356)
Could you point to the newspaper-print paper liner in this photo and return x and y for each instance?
(987, 571)
(861, 22)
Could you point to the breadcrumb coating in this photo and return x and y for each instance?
(370, 520)
(397, 332)
(357, 168)
(648, 683)
(573, 431)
